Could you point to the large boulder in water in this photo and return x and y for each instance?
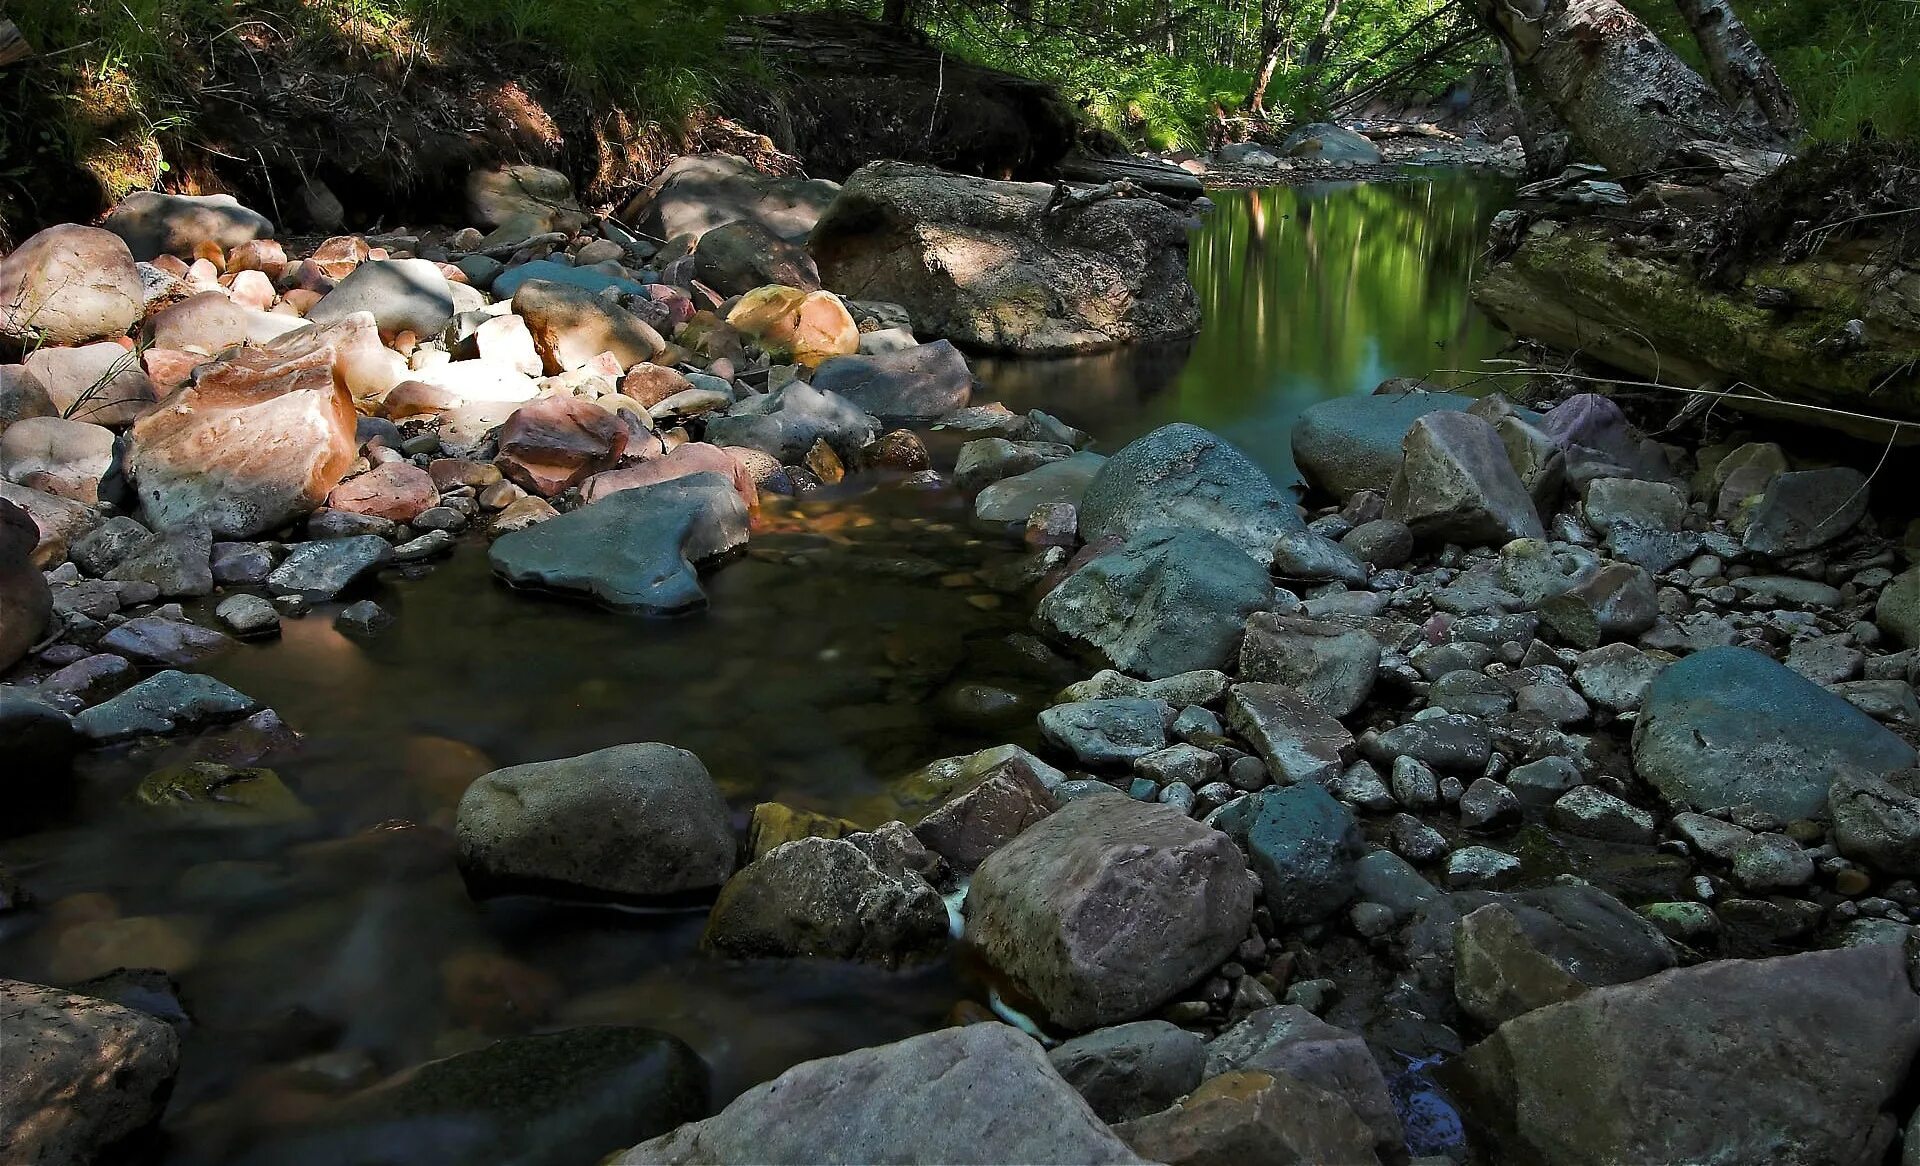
(555, 1099)
(259, 439)
(1792, 1059)
(69, 285)
(1182, 475)
(1326, 142)
(633, 821)
(1728, 725)
(1109, 908)
(700, 192)
(1170, 601)
(985, 264)
(981, 1093)
(82, 1076)
(1354, 443)
(634, 550)
(155, 224)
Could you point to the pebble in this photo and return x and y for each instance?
(248, 615)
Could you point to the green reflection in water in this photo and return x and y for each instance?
(1308, 293)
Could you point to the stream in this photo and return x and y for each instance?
(854, 643)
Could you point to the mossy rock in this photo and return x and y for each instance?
(221, 795)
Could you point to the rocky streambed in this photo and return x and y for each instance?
(1526, 789)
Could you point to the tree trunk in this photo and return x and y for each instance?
(1542, 136)
(1271, 40)
(1323, 38)
(1626, 97)
(13, 46)
(1740, 71)
(893, 12)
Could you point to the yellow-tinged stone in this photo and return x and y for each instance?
(804, 327)
(775, 823)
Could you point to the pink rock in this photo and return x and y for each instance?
(62, 457)
(102, 383)
(398, 491)
(651, 384)
(695, 457)
(263, 255)
(69, 285)
(169, 368)
(556, 442)
(571, 326)
(259, 439)
(251, 289)
(26, 602)
(417, 398)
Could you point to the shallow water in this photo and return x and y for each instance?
(835, 656)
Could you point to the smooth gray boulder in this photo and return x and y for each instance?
(1249, 1116)
(1876, 819)
(634, 550)
(787, 421)
(826, 898)
(923, 383)
(1791, 1059)
(82, 1076)
(1014, 499)
(154, 223)
(1110, 907)
(1298, 739)
(636, 821)
(1543, 946)
(1805, 509)
(1728, 725)
(981, 1093)
(699, 192)
(1131, 1070)
(1169, 601)
(735, 258)
(403, 295)
(1327, 142)
(1455, 484)
(1182, 475)
(1354, 443)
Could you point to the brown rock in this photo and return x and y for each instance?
(449, 472)
(397, 491)
(257, 441)
(651, 384)
(556, 442)
(1251, 1118)
(982, 820)
(571, 326)
(83, 1075)
(69, 285)
(418, 398)
(26, 602)
(22, 395)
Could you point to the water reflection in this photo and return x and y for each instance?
(1308, 293)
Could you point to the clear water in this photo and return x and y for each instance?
(834, 658)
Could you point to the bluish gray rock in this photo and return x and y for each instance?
(787, 421)
(165, 702)
(1014, 499)
(923, 383)
(1330, 143)
(1728, 725)
(1455, 484)
(634, 550)
(1182, 475)
(1353, 443)
(547, 271)
(1108, 732)
(1302, 843)
(1131, 1070)
(321, 570)
(1169, 601)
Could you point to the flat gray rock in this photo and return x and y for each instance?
(1182, 475)
(319, 571)
(165, 702)
(1353, 443)
(634, 550)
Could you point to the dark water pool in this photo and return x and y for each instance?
(854, 643)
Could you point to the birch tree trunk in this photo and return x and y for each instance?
(1272, 39)
(1740, 71)
(1625, 96)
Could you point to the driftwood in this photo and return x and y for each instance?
(1150, 173)
(13, 46)
(1067, 198)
